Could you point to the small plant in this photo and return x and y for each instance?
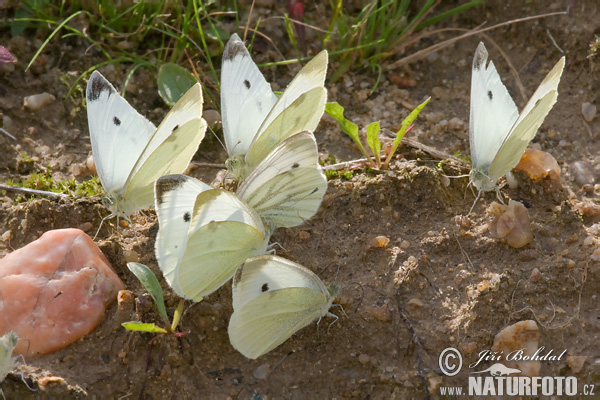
(43, 181)
(336, 111)
(150, 283)
(594, 47)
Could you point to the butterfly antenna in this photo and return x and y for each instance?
(218, 138)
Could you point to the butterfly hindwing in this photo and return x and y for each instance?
(224, 231)
(529, 122)
(287, 187)
(272, 299)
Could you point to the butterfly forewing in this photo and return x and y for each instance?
(246, 97)
(175, 196)
(117, 131)
(493, 112)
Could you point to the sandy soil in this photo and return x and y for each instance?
(455, 284)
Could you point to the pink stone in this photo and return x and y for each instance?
(54, 291)
(513, 225)
(522, 336)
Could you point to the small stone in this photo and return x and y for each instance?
(55, 290)
(379, 241)
(415, 302)
(86, 226)
(405, 244)
(588, 241)
(540, 165)
(596, 255)
(303, 235)
(523, 335)
(462, 220)
(79, 170)
(582, 173)
(364, 359)
(262, 371)
(434, 383)
(125, 305)
(91, 165)
(131, 256)
(535, 274)
(469, 348)
(46, 383)
(6, 236)
(513, 226)
(381, 312)
(570, 263)
(212, 117)
(576, 363)
(38, 101)
(589, 111)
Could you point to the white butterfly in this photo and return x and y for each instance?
(254, 120)
(273, 298)
(8, 342)
(130, 152)
(498, 134)
(205, 234)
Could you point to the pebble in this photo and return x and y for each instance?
(86, 226)
(405, 244)
(36, 102)
(262, 371)
(303, 235)
(364, 359)
(513, 226)
(211, 117)
(576, 363)
(596, 255)
(91, 165)
(381, 312)
(522, 335)
(415, 302)
(131, 256)
(62, 279)
(535, 274)
(589, 111)
(588, 241)
(582, 173)
(540, 165)
(379, 241)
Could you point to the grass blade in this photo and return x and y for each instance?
(150, 283)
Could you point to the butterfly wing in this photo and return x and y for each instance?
(246, 97)
(8, 343)
(299, 108)
(287, 187)
(273, 298)
(493, 113)
(169, 151)
(529, 122)
(175, 196)
(224, 232)
(118, 133)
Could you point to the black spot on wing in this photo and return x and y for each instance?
(490, 95)
(166, 184)
(265, 287)
(187, 217)
(96, 86)
(116, 121)
(315, 190)
(247, 84)
(175, 128)
(295, 165)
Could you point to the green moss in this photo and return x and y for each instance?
(43, 181)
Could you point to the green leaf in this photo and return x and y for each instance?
(336, 112)
(405, 125)
(173, 82)
(142, 327)
(373, 141)
(149, 281)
